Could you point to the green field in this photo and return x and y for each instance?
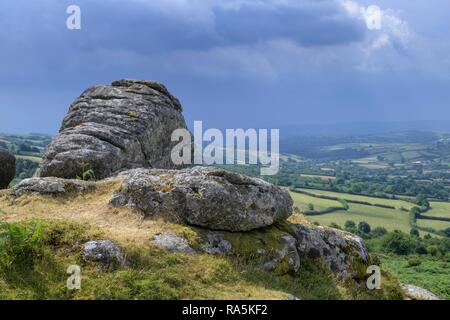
(322, 177)
(389, 202)
(391, 219)
(302, 201)
(435, 224)
(377, 217)
(439, 209)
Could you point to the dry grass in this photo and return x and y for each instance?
(121, 224)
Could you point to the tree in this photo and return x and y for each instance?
(379, 232)
(364, 227)
(433, 250)
(398, 242)
(447, 232)
(350, 226)
(422, 201)
(414, 232)
(310, 207)
(415, 211)
(335, 225)
(420, 249)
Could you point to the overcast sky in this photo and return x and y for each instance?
(232, 63)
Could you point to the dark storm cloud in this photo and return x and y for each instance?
(309, 24)
(311, 60)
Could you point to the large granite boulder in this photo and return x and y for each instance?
(125, 125)
(206, 197)
(7, 168)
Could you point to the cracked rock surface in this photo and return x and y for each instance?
(339, 251)
(109, 128)
(206, 197)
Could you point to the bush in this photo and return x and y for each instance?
(447, 232)
(414, 262)
(379, 232)
(433, 250)
(414, 232)
(350, 226)
(398, 242)
(335, 226)
(420, 249)
(364, 227)
(20, 245)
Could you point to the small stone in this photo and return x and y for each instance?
(261, 251)
(172, 242)
(270, 265)
(292, 297)
(217, 244)
(106, 252)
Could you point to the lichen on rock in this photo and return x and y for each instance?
(339, 251)
(172, 242)
(105, 253)
(52, 186)
(206, 197)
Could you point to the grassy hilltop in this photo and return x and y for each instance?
(44, 235)
(345, 183)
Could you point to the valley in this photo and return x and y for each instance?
(392, 190)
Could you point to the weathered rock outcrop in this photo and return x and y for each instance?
(51, 186)
(109, 128)
(340, 252)
(7, 168)
(206, 197)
